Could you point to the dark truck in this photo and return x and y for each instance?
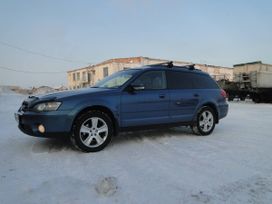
(251, 80)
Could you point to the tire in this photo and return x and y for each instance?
(204, 126)
(256, 99)
(92, 131)
(230, 98)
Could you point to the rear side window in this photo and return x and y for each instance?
(204, 82)
(186, 80)
(179, 80)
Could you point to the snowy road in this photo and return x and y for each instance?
(233, 165)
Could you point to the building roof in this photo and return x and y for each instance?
(123, 60)
(139, 60)
(78, 69)
(116, 60)
(248, 63)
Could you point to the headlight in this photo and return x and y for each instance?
(48, 106)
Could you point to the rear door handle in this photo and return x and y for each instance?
(162, 96)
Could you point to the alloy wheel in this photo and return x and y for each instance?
(93, 132)
(206, 121)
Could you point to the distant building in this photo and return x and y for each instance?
(251, 67)
(88, 76)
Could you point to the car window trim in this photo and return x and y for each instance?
(168, 80)
(136, 77)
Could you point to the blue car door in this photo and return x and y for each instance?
(184, 98)
(148, 105)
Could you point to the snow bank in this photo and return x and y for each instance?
(233, 165)
(42, 90)
(5, 90)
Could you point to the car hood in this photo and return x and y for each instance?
(33, 100)
(64, 94)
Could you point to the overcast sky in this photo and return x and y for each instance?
(222, 32)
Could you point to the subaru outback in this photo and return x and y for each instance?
(151, 96)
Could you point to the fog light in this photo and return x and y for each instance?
(41, 128)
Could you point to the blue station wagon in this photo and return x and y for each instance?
(152, 96)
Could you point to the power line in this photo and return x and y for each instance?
(41, 54)
(29, 72)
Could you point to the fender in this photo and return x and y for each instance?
(112, 103)
(210, 103)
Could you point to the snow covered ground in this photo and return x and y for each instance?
(233, 165)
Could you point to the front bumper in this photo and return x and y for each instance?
(56, 123)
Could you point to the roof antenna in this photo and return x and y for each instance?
(170, 64)
(190, 66)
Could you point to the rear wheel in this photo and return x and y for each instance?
(256, 99)
(205, 122)
(92, 131)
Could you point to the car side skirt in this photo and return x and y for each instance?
(155, 126)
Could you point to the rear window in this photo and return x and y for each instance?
(186, 80)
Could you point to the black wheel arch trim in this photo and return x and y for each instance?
(99, 108)
(210, 105)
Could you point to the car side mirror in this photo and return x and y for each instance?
(138, 87)
(134, 87)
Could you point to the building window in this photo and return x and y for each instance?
(78, 76)
(84, 76)
(105, 72)
(89, 77)
(74, 76)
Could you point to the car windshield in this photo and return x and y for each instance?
(115, 80)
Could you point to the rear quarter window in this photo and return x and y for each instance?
(204, 82)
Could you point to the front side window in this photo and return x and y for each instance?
(115, 80)
(151, 80)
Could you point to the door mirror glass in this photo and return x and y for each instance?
(138, 87)
(132, 87)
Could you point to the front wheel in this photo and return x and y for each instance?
(92, 131)
(205, 122)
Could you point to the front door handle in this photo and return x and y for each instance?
(196, 95)
(178, 103)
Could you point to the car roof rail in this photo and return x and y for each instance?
(170, 64)
(189, 66)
